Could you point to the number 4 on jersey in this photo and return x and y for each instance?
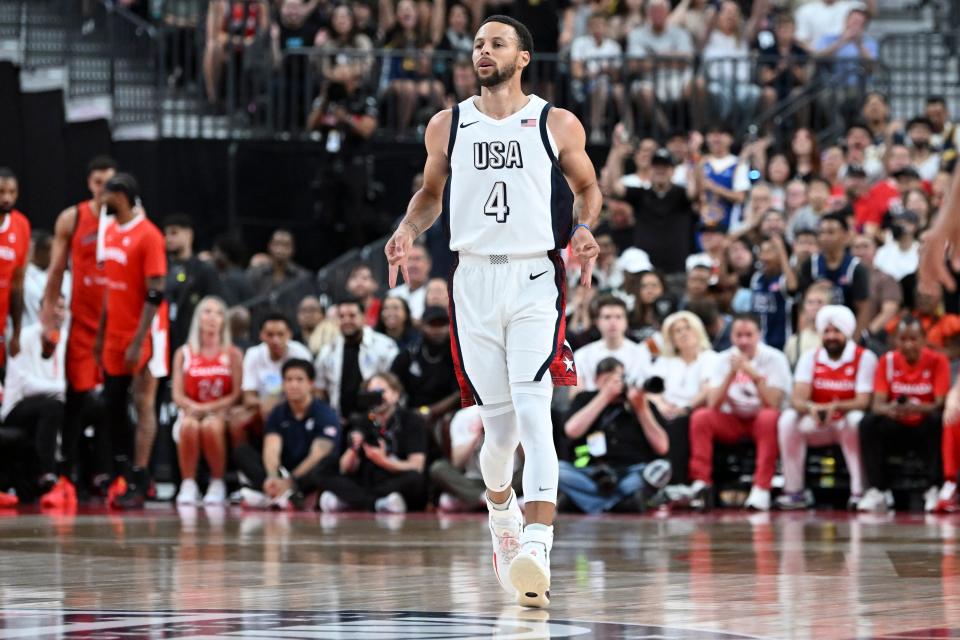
(497, 202)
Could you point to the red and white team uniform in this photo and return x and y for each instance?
(133, 252)
(86, 302)
(205, 379)
(14, 247)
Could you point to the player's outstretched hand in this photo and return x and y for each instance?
(397, 250)
(932, 272)
(586, 249)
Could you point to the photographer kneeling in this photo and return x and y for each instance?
(617, 444)
(382, 467)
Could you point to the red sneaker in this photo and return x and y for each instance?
(117, 488)
(8, 501)
(63, 494)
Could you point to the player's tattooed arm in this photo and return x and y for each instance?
(424, 207)
(582, 178)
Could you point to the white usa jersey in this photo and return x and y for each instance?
(505, 194)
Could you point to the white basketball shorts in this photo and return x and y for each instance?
(508, 324)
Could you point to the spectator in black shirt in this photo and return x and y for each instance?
(299, 444)
(228, 255)
(617, 446)
(618, 223)
(665, 221)
(782, 59)
(426, 368)
(382, 466)
(189, 279)
(835, 263)
(282, 283)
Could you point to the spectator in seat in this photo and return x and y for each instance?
(612, 323)
(348, 59)
(595, 61)
(923, 157)
(617, 443)
(819, 18)
(724, 180)
(804, 245)
(381, 468)
(232, 27)
(356, 355)
(886, 295)
(33, 399)
(698, 283)
(665, 222)
(769, 289)
(362, 285)
(943, 131)
(228, 255)
(426, 368)
(207, 378)
(282, 280)
(909, 391)
(832, 387)
(747, 386)
(660, 56)
(437, 293)
(805, 154)
(459, 479)
(415, 291)
(35, 276)
(850, 55)
(900, 256)
(395, 322)
(835, 263)
(299, 445)
(728, 68)
(805, 338)
(683, 366)
(262, 381)
(189, 279)
(618, 222)
(309, 319)
(808, 216)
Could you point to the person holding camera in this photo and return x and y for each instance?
(617, 445)
(381, 468)
(909, 389)
(832, 387)
(299, 444)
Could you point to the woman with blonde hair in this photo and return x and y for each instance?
(206, 382)
(683, 368)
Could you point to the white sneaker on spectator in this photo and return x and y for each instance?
(930, 500)
(282, 501)
(189, 493)
(252, 499)
(330, 503)
(392, 503)
(758, 500)
(530, 570)
(216, 493)
(873, 501)
(506, 525)
(449, 503)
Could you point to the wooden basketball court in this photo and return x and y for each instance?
(204, 574)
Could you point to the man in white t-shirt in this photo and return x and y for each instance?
(824, 18)
(262, 381)
(595, 61)
(612, 324)
(832, 387)
(748, 383)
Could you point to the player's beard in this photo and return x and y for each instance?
(499, 76)
(5, 209)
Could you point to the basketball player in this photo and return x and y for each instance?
(131, 336)
(75, 241)
(14, 246)
(501, 167)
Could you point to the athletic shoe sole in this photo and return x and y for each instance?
(531, 582)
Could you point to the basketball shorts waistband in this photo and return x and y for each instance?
(484, 259)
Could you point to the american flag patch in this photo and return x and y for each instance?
(528, 122)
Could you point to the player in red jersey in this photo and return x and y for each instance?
(14, 246)
(910, 387)
(206, 382)
(75, 243)
(131, 336)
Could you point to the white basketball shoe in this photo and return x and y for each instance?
(530, 570)
(506, 525)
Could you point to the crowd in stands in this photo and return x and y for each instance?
(649, 63)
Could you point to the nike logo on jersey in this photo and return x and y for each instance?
(542, 489)
(464, 125)
(534, 277)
